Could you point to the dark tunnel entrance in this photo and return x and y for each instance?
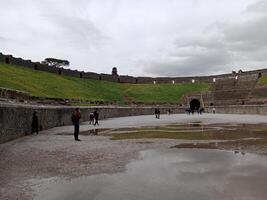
(194, 104)
(7, 61)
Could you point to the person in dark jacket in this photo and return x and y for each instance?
(96, 117)
(76, 116)
(157, 113)
(35, 123)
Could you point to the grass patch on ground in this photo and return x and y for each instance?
(163, 134)
(44, 84)
(186, 133)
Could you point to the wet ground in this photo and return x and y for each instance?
(169, 174)
(113, 159)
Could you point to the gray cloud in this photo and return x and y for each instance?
(77, 32)
(222, 48)
(257, 8)
(250, 35)
(142, 37)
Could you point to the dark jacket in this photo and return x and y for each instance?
(96, 115)
(34, 120)
(75, 118)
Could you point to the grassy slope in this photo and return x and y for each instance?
(44, 84)
(162, 92)
(262, 81)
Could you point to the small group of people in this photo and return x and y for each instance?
(190, 111)
(93, 118)
(75, 118)
(157, 113)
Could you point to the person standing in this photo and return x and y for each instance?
(213, 110)
(91, 118)
(35, 123)
(156, 113)
(96, 116)
(76, 116)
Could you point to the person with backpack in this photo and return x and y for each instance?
(75, 118)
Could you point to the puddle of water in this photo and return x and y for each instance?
(183, 174)
(195, 124)
(89, 132)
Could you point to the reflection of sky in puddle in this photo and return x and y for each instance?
(171, 174)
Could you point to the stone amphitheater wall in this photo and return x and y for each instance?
(15, 119)
(9, 59)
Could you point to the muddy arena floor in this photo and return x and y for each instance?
(33, 166)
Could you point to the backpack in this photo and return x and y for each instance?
(73, 118)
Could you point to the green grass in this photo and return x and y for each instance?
(262, 81)
(162, 92)
(44, 84)
(163, 134)
(189, 134)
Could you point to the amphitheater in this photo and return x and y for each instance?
(236, 92)
(131, 154)
(226, 89)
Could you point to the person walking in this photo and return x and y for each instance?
(35, 123)
(96, 116)
(76, 116)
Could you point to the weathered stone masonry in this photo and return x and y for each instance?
(15, 120)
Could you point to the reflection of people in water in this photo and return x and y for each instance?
(93, 132)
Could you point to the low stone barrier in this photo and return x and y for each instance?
(15, 120)
(240, 109)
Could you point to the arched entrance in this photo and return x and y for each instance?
(194, 104)
(7, 60)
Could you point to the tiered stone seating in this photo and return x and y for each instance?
(232, 91)
(224, 84)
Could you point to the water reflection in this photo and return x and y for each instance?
(93, 132)
(183, 174)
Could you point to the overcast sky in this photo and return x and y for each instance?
(139, 37)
